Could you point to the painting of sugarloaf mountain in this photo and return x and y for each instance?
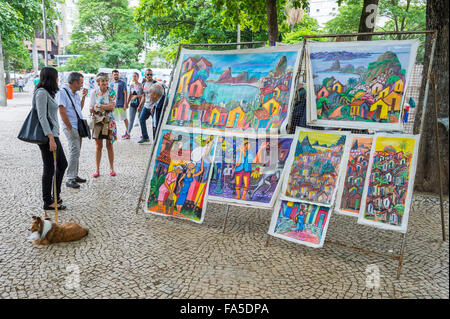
(237, 91)
(315, 170)
(361, 82)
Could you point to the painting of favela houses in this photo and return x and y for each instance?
(389, 186)
(316, 158)
(360, 84)
(302, 223)
(351, 187)
(237, 90)
(248, 171)
(181, 171)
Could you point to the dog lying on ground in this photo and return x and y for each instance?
(44, 232)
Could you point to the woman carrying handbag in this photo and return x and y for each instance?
(47, 112)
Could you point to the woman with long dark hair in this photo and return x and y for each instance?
(47, 110)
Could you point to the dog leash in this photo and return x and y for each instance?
(54, 188)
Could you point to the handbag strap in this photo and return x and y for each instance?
(73, 105)
(33, 106)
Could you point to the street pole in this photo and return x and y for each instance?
(45, 33)
(238, 36)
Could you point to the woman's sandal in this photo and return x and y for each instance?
(95, 175)
(112, 174)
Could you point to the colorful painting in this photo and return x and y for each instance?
(181, 169)
(315, 166)
(236, 90)
(248, 171)
(351, 187)
(302, 223)
(389, 186)
(359, 84)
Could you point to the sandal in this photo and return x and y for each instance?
(112, 173)
(95, 175)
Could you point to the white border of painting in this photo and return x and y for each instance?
(273, 223)
(213, 131)
(238, 202)
(403, 227)
(152, 170)
(342, 181)
(359, 124)
(290, 161)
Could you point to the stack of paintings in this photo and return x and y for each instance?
(359, 84)
(313, 171)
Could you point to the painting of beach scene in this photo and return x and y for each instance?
(181, 169)
(360, 84)
(389, 186)
(245, 90)
(351, 187)
(315, 166)
(301, 223)
(248, 171)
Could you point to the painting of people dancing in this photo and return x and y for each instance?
(244, 90)
(302, 223)
(181, 171)
(316, 166)
(360, 84)
(248, 170)
(388, 189)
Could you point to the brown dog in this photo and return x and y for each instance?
(44, 232)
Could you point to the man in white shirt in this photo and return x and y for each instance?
(70, 109)
(153, 102)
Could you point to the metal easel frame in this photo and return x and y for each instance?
(166, 102)
(433, 33)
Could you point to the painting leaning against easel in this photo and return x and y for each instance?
(350, 191)
(359, 84)
(248, 171)
(315, 165)
(246, 90)
(301, 223)
(181, 171)
(389, 187)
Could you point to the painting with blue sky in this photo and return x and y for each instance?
(247, 90)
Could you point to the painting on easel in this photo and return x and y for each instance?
(181, 170)
(248, 171)
(389, 186)
(302, 223)
(351, 187)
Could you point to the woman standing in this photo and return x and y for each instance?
(166, 189)
(103, 102)
(187, 179)
(134, 101)
(47, 110)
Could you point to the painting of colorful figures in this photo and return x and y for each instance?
(302, 223)
(351, 187)
(389, 186)
(181, 171)
(360, 84)
(237, 90)
(247, 171)
(315, 167)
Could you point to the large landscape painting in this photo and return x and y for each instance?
(388, 189)
(248, 171)
(238, 90)
(359, 84)
(315, 166)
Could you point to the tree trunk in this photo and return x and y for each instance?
(367, 20)
(7, 70)
(427, 176)
(272, 21)
(35, 57)
(2, 77)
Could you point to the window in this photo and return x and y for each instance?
(317, 10)
(333, 9)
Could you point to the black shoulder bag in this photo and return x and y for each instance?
(31, 130)
(83, 127)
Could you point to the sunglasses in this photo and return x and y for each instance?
(149, 74)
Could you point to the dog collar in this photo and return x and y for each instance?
(47, 227)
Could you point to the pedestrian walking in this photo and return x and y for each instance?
(134, 101)
(120, 89)
(152, 106)
(47, 110)
(21, 83)
(70, 109)
(36, 80)
(103, 102)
